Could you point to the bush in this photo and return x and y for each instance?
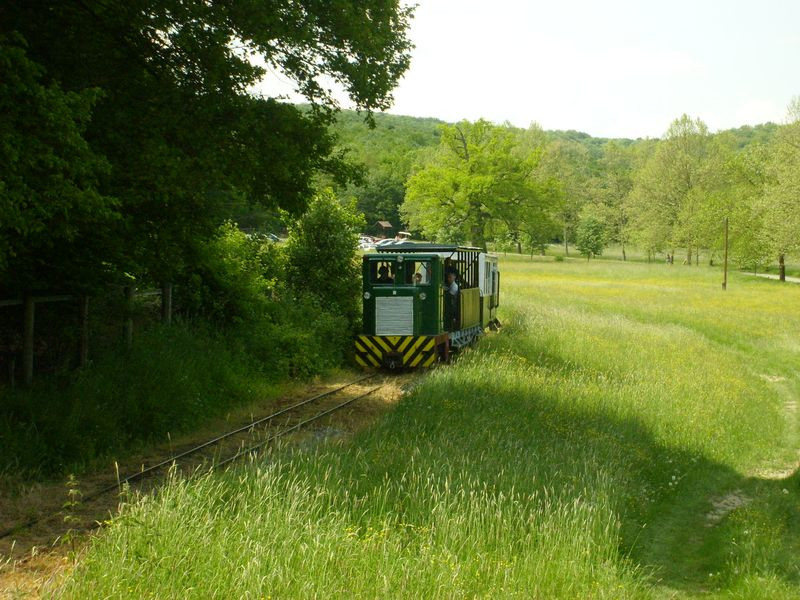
(170, 380)
(235, 278)
(251, 316)
(321, 256)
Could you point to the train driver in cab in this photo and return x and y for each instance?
(451, 304)
(384, 276)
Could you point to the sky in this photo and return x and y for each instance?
(610, 68)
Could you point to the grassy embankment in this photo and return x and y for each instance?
(172, 381)
(574, 455)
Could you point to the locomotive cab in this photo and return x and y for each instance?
(408, 318)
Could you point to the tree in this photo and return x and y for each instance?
(174, 118)
(321, 255)
(591, 235)
(472, 179)
(567, 163)
(614, 184)
(52, 215)
(782, 194)
(671, 187)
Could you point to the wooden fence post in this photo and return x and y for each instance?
(128, 328)
(166, 303)
(83, 304)
(27, 339)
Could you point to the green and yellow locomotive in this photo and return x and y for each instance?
(423, 300)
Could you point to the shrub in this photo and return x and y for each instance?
(321, 256)
(235, 278)
(170, 380)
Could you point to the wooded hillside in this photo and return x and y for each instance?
(523, 189)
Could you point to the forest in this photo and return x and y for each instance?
(522, 189)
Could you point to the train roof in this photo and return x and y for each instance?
(426, 247)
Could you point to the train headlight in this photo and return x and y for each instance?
(367, 295)
(399, 258)
(422, 296)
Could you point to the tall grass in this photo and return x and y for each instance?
(573, 455)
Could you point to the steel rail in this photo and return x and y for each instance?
(141, 474)
(294, 427)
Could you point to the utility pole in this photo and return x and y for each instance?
(725, 267)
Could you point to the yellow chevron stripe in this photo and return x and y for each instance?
(428, 346)
(431, 359)
(379, 340)
(407, 356)
(367, 353)
(371, 346)
(417, 358)
(405, 343)
(360, 361)
(393, 339)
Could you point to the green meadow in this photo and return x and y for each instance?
(631, 433)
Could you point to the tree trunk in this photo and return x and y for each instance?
(624, 258)
(782, 268)
(566, 243)
(166, 303)
(83, 350)
(128, 321)
(689, 256)
(519, 247)
(697, 258)
(29, 311)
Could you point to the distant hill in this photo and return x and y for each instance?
(400, 131)
(390, 149)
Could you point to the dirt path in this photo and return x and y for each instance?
(776, 277)
(36, 555)
(778, 469)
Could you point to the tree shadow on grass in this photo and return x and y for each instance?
(509, 436)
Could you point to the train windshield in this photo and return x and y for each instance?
(418, 272)
(382, 272)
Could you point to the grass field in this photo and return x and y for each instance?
(632, 432)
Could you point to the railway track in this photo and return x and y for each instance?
(240, 438)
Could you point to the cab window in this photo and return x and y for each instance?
(418, 272)
(382, 272)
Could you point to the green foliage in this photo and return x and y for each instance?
(171, 380)
(171, 115)
(472, 182)
(591, 236)
(321, 256)
(781, 204)
(53, 219)
(236, 277)
(387, 151)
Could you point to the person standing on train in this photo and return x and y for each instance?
(451, 303)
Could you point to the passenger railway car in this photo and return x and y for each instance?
(410, 319)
